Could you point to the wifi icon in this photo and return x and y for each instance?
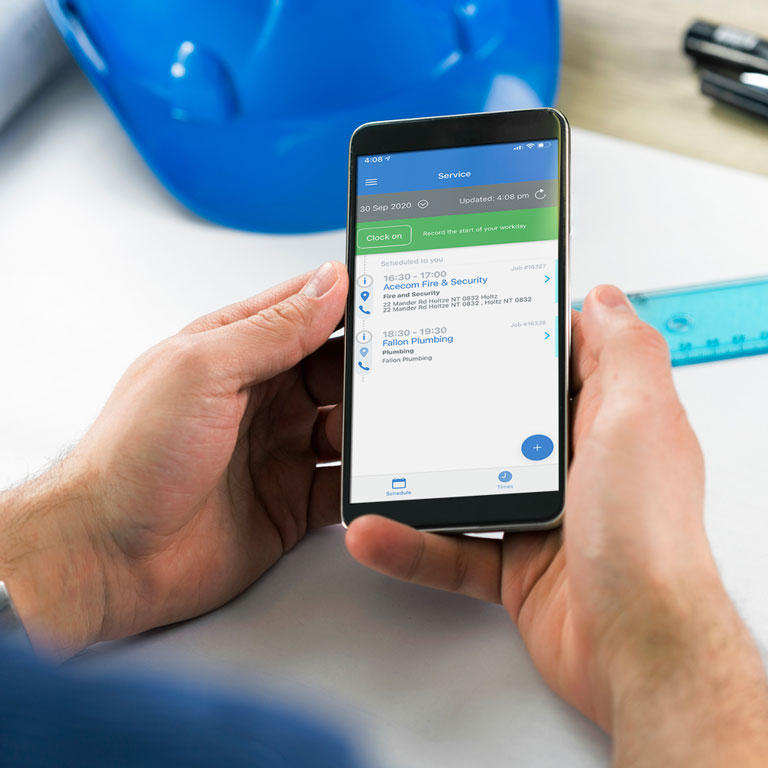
(530, 146)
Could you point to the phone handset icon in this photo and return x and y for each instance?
(363, 310)
(360, 364)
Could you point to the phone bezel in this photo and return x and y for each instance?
(498, 512)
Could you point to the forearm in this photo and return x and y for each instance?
(50, 559)
(692, 691)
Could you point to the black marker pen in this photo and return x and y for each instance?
(726, 47)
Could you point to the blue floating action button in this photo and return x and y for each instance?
(505, 476)
(537, 447)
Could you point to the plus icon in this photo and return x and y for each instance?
(537, 447)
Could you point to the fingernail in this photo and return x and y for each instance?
(322, 280)
(610, 296)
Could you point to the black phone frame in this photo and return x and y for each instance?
(513, 511)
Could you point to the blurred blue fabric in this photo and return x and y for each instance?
(55, 717)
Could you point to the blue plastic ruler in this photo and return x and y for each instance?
(702, 323)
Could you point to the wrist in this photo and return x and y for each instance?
(687, 676)
(50, 558)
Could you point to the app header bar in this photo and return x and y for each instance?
(457, 167)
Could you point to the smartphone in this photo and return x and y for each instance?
(458, 322)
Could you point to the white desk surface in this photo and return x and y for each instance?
(98, 263)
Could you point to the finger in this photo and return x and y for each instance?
(326, 435)
(632, 357)
(334, 426)
(325, 498)
(250, 306)
(527, 558)
(278, 337)
(324, 373)
(468, 565)
(582, 361)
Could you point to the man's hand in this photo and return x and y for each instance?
(198, 475)
(623, 611)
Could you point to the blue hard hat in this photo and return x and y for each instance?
(244, 108)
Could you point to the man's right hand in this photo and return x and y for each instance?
(623, 611)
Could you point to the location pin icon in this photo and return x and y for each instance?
(364, 295)
(363, 351)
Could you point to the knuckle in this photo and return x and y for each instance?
(187, 356)
(636, 373)
(460, 568)
(626, 417)
(416, 561)
(655, 410)
(284, 322)
(291, 312)
(643, 340)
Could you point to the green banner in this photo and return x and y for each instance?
(457, 231)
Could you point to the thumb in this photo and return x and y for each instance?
(279, 336)
(631, 356)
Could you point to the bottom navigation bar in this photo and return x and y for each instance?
(467, 482)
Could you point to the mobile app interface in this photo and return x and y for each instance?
(455, 332)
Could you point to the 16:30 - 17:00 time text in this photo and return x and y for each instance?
(420, 275)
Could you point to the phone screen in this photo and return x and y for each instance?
(454, 333)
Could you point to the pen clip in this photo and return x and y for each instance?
(754, 80)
